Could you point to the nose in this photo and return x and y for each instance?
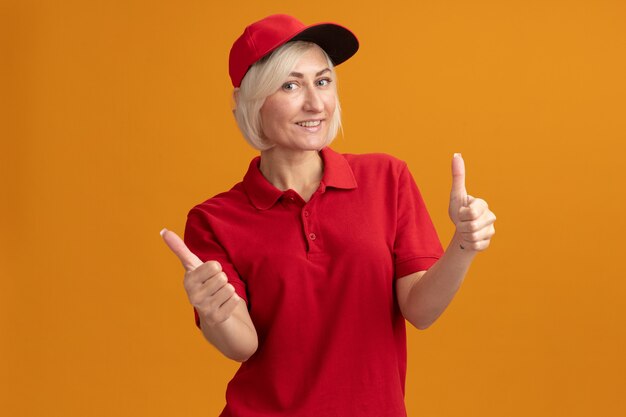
(313, 102)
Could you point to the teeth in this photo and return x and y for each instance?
(309, 124)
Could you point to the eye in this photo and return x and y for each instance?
(289, 86)
(324, 82)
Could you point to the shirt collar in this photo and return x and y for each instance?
(337, 170)
(263, 195)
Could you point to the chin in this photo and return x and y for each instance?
(305, 142)
(316, 145)
(317, 142)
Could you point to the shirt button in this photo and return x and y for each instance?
(306, 213)
(312, 236)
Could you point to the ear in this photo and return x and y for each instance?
(235, 99)
(236, 96)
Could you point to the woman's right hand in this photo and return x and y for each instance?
(206, 284)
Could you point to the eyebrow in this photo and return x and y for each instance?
(300, 75)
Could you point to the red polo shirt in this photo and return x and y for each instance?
(318, 278)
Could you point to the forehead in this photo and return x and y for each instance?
(312, 60)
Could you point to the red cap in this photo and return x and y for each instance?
(262, 37)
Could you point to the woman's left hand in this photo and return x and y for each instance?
(471, 216)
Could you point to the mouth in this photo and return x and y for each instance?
(309, 123)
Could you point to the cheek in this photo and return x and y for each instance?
(268, 114)
(330, 103)
(274, 113)
(273, 120)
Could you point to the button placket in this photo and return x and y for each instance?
(290, 198)
(309, 234)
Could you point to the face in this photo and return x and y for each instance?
(297, 116)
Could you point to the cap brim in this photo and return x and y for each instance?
(338, 42)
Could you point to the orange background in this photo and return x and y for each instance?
(116, 120)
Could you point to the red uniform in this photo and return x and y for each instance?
(318, 278)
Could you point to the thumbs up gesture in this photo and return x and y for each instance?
(206, 284)
(471, 216)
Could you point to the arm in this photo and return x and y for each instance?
(224, 318)
(236, 336)
(424, 295)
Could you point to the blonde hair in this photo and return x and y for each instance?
(263, 79)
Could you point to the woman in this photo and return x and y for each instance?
(307, 269)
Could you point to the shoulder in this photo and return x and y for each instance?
(220, 203)
(375, 165)
(374, 160)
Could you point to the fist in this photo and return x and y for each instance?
(471, 216)
(206, 284)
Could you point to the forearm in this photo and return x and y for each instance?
(233, 337)
(432, 293)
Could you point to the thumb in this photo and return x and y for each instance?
(458, 192)
(176, 245)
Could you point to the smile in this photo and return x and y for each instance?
(309, 123)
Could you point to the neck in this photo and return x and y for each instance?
(300, 171)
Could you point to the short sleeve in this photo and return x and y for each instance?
(201, 240)
(417, 246)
